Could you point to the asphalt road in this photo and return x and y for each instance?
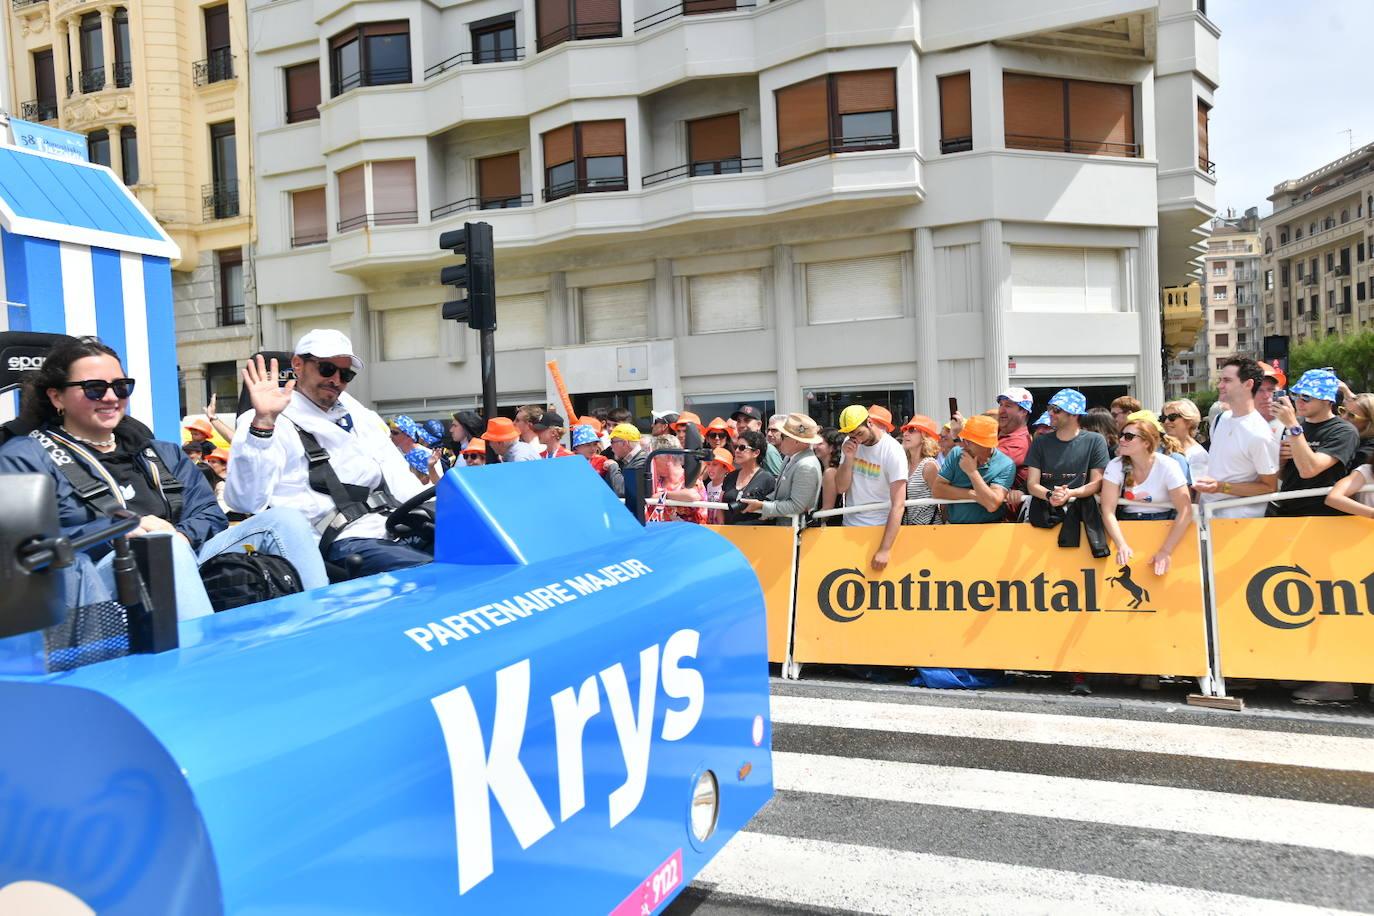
(895, 800)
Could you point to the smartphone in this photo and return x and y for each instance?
(953, 407)
(1279, 394)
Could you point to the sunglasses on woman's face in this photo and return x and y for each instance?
(95, 388)
(1171, 417)
(1129, 437)
(329, 370)
(715, 435)
(744, 448)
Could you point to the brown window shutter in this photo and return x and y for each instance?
(399, 27)
(803, 121)
(352, 194)
(303, 92)
(558, 146)
(602, 138)
(1102, 118)
(552, 16)
(393, 191)
(865, 90)
(1203, 112)
(498, 177)
(692, 7)
(1033, 112)
(598, 18)
(713, 139)
(344, 38)
(956, 107)
(308, 215)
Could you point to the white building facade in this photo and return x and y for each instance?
(798, 203)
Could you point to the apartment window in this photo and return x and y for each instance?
(303, 92)
(523, 322)
(713, 145)
(1287, 311)
(1359, 253)
(582, 157)
(219, 59)
(308, 226)
(223, 380)
(1312, 228)
(725, 302)
(223, 194)
(1069, 116)
(1345, 300)
(1312, 271)
(1269, 314)
(1345, 217)
(1221, 362)
(1204, 152)
(1240, 341)
(1219, 269)
(1066, 279)
(1223, 340)
(1268, 244)
(98, 146)
(43, 108)
(1300, 269)
(842, 112)
(498, 181)
(619, 312)
(956, 114)
(573, 20)
(92, 44)
(1269, 279)
(1360, 291)
(1284, 276)
(377, 194)
(128, 154)
(372, 54)
(494, 41)
(409, 333)
(230, 286)
(1302, 305)
(1219, 292)
(1297, 233)
(1312, 304)
(1220, 316)
(124, 67)
(861, 289)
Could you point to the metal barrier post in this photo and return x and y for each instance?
(1213, 687)
(790, 669)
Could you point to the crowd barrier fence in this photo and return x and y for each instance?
(1270, 598)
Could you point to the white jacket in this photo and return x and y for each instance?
(274, 472)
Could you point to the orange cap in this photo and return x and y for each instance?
(718, 425)
(688, 417)
(501, 429)
(882, 416)
(924, 424)
(593, 422)
(219, 454)
(724, 457)
(201, 426)
(1275, 373)
(980, 430)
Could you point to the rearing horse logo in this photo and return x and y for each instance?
(1124, 579)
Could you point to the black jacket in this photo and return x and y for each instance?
(1072, 519)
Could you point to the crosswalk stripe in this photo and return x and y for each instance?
(867, 879)
(1306, 750)
(1267, 820)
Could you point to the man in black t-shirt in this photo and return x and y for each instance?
(1316, 452)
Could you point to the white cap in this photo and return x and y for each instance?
(327, 343)
(1018, 396)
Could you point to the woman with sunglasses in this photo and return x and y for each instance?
(1358, 409)
(718, 435)
(78, 400)
(1181, 420)
(1143, 484)
(749, 480)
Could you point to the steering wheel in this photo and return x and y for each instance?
(413, 519)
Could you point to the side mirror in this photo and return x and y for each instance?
(29, 600)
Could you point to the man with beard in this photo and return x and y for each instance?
(873, 469)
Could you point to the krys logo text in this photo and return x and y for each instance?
(1289, 598)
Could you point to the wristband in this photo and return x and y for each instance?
(260, 432)
(1295, 431)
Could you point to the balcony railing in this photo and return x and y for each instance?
(216, 68)
(377, 76)
(836, 145)
(20, 4)
(1341, 270)
(956, 144)
(123, 74)
(579, 31)
(698, 169)
(482, 203)
(1310, 280)
(391, 218)
(1206, 165)
(691, 8)
(584, 186)
(502, 56)
(93, 80)
(231, 313)
(1070, 145)
(39, 110)
(310, 238)
(220, 200)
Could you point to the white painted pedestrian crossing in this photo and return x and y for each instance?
(904, 803)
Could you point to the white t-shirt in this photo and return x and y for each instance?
(876, 468)
(1197, 459)
(1152, 493)
(1243, 448)
(1367, 474)
(524, 451)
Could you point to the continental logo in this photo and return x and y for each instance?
(845, 595)
(1289, 598)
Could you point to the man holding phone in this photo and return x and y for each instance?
(873, 469)
(1315, 451)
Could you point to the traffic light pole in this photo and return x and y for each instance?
(477, 278)
(488, 339)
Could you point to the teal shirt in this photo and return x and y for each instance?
(1000, 471)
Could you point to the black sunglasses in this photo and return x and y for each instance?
(1170, 417)
(715, 435)
(328, 370)
(741, 447)
(95, 388)
(1129, 437)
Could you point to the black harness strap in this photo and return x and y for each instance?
(90, 489)
(166, 483)
(351, 501)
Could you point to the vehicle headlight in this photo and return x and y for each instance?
(705, 806)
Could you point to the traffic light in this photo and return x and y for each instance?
(477, 276)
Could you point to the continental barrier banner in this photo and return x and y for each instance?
(769, 550)
(1295, 598)
(999, 596)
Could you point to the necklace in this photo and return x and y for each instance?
(98, 443)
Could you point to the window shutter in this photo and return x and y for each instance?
(1065, 280)
(1033, 112)
(410, 333)
(1203, 111)
(520, 322)
(398, 27)
(308, 217)
(553, 21)
(393, 192)
(725, 302)
(713, 139)
(619, 312)
(692, 7)
(865, 90)
(602, 138)
(1102, 118)
(1102, 280)
(598, 18)
(956, 108)
(558, 146)
(299, 326)
(803, 121)
(854, 290)
(352, 195)
(303, 92)
(498, 177)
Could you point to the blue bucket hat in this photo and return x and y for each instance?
(436, 430)
(1321, 384)
(1044, 420)
(408, 426)
(418, 459)
(1070, 401)
(583, 435)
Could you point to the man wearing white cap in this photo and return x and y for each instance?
(271, 466)
(1013, 439)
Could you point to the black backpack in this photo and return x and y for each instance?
(233, 579)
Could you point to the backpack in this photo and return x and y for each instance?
(233, 579)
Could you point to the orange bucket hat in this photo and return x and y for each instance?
(501, 429)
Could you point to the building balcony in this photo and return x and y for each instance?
(470, 58)
(216, 68)
(1321, 237)
(691, 8)
(389, 218)
(481, 203)
(39, 110)
(21, 4)
(93, 80)
(698, 169)
(123, 74)
(219, 200)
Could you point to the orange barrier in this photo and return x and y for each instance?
(769, 550)
(998, 596)
(1295, 598)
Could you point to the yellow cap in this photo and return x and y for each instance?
(626, 431)
(852, 417)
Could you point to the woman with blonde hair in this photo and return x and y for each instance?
(921, 440)
(1181, 420)
(1359, 410)
(1144, 484)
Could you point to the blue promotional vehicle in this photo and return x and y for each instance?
(566, 712)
